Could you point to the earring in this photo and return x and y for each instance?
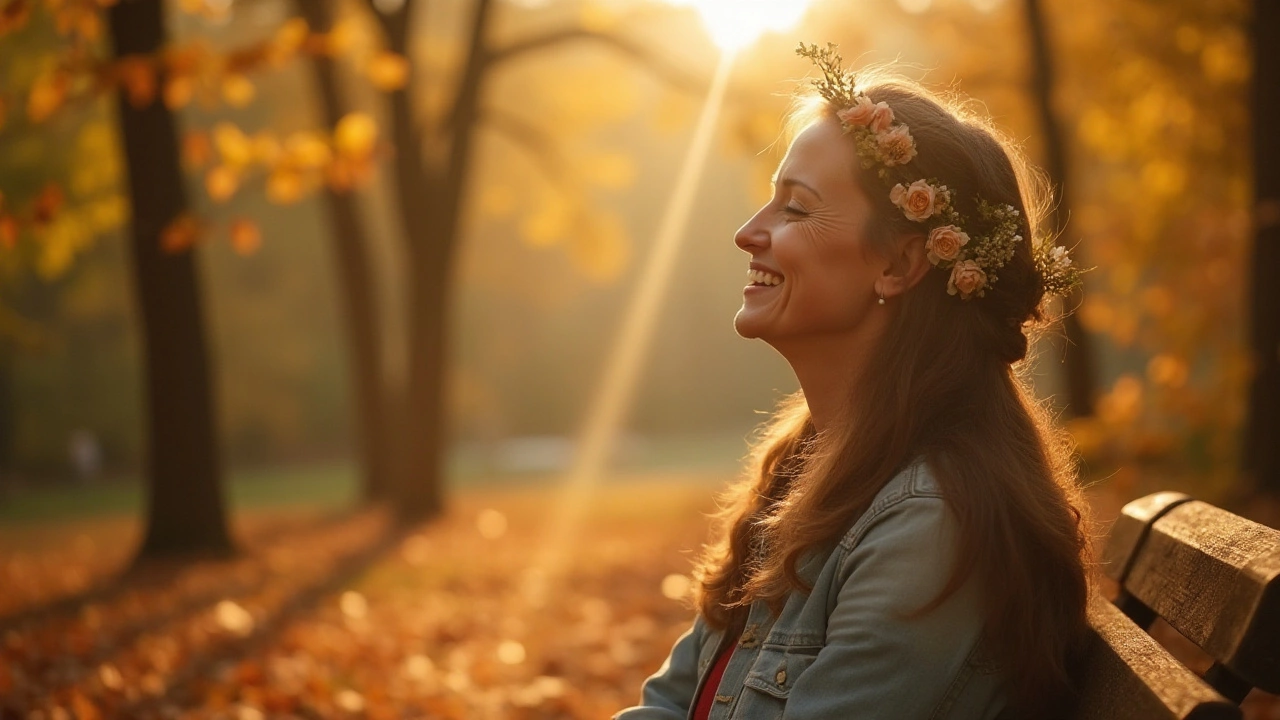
(881, 300)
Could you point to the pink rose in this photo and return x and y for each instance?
(881, 118)
(857, 114)
(944, 243)
(918, 202)
(895, 145)
(966, 278)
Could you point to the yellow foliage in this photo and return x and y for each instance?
(356, 135)
(548, 223)
(1123, 404)
(342, 36)
(1226, 58)
(237, 90)
(221, 183)
(98, 166)
(1164, 177)
(307, 150)
(60, 241)
(291, 36)
(284, 186)
(601, 252)
(48, 92)
(611, 170)
(232, 144)
(388, 71)
(106, 214)
(197, 150)
(1167, 370)
(266, 148)
(246, 238)
(178, 91)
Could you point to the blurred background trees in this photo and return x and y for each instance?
(413, 226)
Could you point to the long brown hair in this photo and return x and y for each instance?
(951, 388)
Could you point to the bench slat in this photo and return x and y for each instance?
(1130, 530)
(1215, 577)
(1129, 676)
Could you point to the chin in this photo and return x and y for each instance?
(744, 327)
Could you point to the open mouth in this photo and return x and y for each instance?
(763, 278)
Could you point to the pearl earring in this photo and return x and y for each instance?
(881, 299)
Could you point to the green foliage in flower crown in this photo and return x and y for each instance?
(835, 85)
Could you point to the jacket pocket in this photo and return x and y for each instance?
(776, 669)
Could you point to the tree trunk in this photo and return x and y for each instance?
(185, 509)
(354, 281)
(1262, 429)
(1077, 351)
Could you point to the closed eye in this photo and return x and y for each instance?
(794, 211)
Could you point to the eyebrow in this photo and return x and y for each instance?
(788, 182)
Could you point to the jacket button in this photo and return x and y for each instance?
(781, 677)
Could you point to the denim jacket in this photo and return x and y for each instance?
(845, 650)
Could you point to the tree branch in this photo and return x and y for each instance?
(531, 138)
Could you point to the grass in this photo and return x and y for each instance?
(334, 485)
(330, 485)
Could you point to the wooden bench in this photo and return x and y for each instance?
(1212, 576)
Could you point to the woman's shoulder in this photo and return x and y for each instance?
(913, 496)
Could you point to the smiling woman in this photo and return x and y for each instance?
(909, 541)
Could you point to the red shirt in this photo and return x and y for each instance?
(707, 696)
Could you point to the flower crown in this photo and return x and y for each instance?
(973, 258)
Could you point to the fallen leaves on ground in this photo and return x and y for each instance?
(470, 616)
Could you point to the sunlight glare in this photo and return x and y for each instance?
(622, 369)
(735, 24)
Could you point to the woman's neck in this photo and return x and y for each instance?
(827, 373)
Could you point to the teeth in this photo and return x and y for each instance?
(761, 277)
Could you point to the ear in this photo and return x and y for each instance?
(908, 262)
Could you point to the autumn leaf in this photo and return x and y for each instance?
(292, 35)
(284, 186)
(266, 148)
(197, 149)
(237, 90)
(178, 91)
(356, 135)
(388, 71)
(48, 93)
(8, 232)
(138, 76)
(221, 183)
(232, 144)
(14, 15)
(246, 238)
(47, 204)
(307, 150)
(180, 234)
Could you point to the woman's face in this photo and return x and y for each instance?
(811, 272)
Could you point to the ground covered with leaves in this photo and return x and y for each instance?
(336, 616)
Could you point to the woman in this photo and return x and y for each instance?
(909, 543)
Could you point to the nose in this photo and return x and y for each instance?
(752, 237)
